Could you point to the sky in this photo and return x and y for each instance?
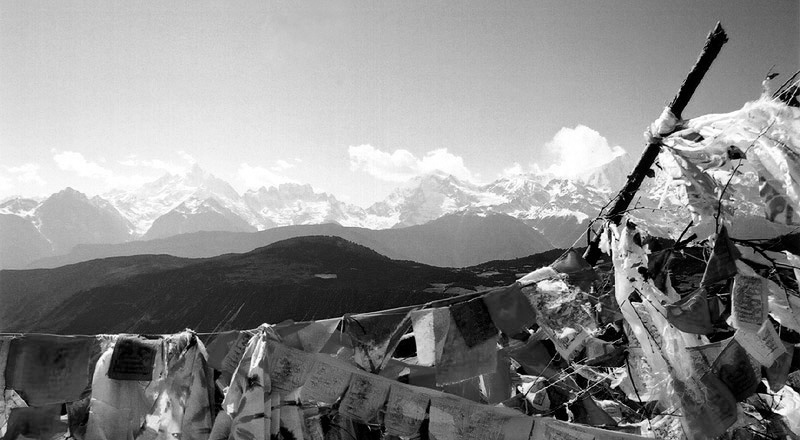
(356, 98)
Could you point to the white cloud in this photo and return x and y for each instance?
(187, 157)
(252, 177)
(514, 170)
(579, 149)
(282, 165)
(156, 164)
(27, 173)
(402, 165)
(75, 162)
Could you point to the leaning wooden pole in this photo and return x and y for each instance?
(713, 45)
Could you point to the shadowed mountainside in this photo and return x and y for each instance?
(301, 278)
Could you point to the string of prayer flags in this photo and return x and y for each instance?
(133, 358)
(749, 302)
(510, 310)
(376, 336)
(722, 263)
(691, 313)
(430, 330)
(47, 369)
(365, 396)
(473, 322)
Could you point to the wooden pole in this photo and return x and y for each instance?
(713, 45)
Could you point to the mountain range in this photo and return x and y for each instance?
(301, 278)
(197, 201)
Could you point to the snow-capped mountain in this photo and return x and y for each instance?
(69, 217)
(144, 205)
(294, 204)
(195, 215)
(199, 201)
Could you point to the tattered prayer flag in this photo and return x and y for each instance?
(778, 373)
(133, 358)
(473, 321)
(219, 347)
(764, 346)
(365, 397)
(44, 422)
(708, 406)
(326, 381)
(312, 424)
(691, 314)
(537, 275)
(316, 334)
(722, 264)
(449, 417)
(292, 422)
(460, 362)
(568, 341)
(658, 267)
(430, 331)
(289, 368)
(49, 369)
(702, 357)
(749, 302)
(552, 429)
(496, 387)
(375, 337)
(237, 348)
(578, 271)
(735, 369)
(534, 358)
(405, 410)
(585, 410)
(510, 310)
(497, 423)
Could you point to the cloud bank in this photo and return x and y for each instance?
(402, 165)
(579, 149)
